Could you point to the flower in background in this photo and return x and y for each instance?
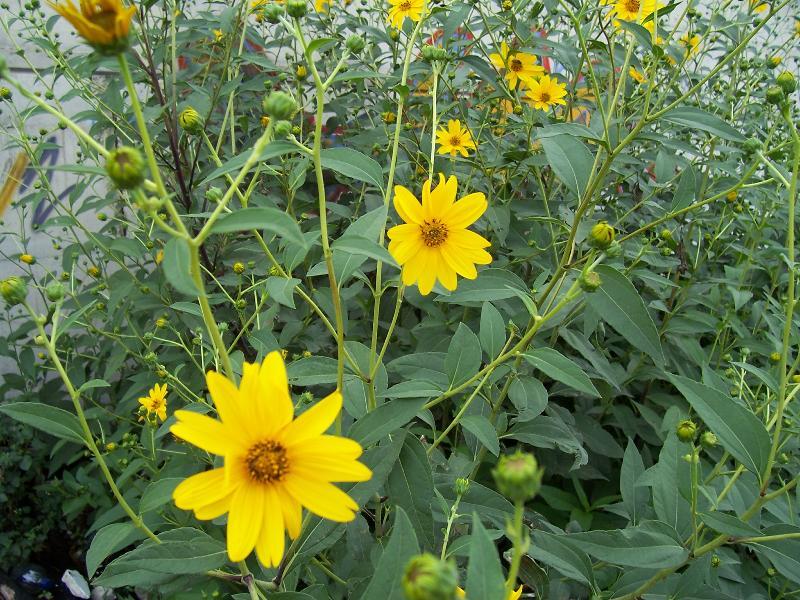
(634, 10)
(519, 66)
(454, 139)
(758, 7)
(275, 464)
(104, 24)
(636, 75)
(321, 5)
(434, 243)
(156, 401)
(545, 92)
(219, 35)
(405, 8)
(690, 42)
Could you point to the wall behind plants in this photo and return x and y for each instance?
(275, 351)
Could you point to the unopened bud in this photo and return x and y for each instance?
(708, 440)
(125, 167)
(428, 578)
(590, 281)
(190, 121)
(279, 105)
(686, 430)
(54, 291)
(787, 82)
(14, 290)
(355, 44)
(518, 476)
(296, 8)
(601, 235)
(775, 94)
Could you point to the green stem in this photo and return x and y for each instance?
(519, 548)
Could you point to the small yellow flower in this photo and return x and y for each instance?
(434, 243)
(636, 75)
(545, 92)
(219, 35)
(28, 259)
(264, 120)
(454, 139)
(690, 42)
(301, 72)
(159, 256)
(388, 117)
(93, 272)
(275, 464)
(104, 24)
(405, 8)
(156, 401)
(519, 66)
(161, 322)
(513, 595)
(321, 5)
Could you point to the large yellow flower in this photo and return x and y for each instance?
(405, 8)
(546, 92)
(634, 10)
(102, 23)
(519, 66)
(434, 242)
(690, 42)
(454, 139)
(274, 464)
(156, 401)
(514, 595)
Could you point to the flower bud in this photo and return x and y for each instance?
(715, 561)
(601, 235)
(787, 82)
(774, 61)
(54, 291)
(14, 290)
(355, 44)
(686, 430)
(213, 194)
(5, 93)
(238, 268)
(590, 281)
(388, 117)
(775, 94)
(283, 129)
(296, 8)
(665, 235)
(461, 486)
(28, 259)
(191, 121)
(708, 440)
(518, 476)
(751, 145)
(301, 72)
(428, 578)
(279, 105)
(272, 13)
(125, 167)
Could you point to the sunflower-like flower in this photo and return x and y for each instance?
(519, 66)
(455, 138)
(634, 10)
(434, 242)
(104, 24)
(274, 464)
(546, 92)
(405, 8)
(156, 401)
(690, 43)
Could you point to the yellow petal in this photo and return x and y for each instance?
(203, 432)
(245, 520)
(467, 239)
(466, 211)
(292, 512)
(200, 489)
(270, 543)
(274, 381)
(403, 251)
(456, 260)
(328, 445)
(225, 396)
(321, 498)
(214, 510)
(407, 205)
(333, 470)
(314, 421)
(427, 278)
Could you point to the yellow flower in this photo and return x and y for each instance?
(405, 8)
(218, 35)
(301, 72)
(634, 10)
(690, 42)
(513, 595)
(545, 93)
(321, 5)
(159, 256)
(102, 23)
(454, 138)
(264, 120)
(28, 259)
(758, 7)
(156, 401)
(519, 66)
(636, 75)
(434, 242)
(274, 464)
(256, 4)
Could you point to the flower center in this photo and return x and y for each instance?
(455, 140)
(267, 461)
(515, 65)
(632, 6)
(405, 6)
(433, 233)
(545, 96)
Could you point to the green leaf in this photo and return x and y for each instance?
(384, 420)
(386, 582)
(361, 246)
(108, 540)
(52, 420)
(273, 149)
(463, 355)
(634, 497)
(739, 431)
(493, 330)
(644, 547)
(686, 192)
(570, 160)
(783, 554)
(176, 266)
(565, 557)
(410, 486)
(261, 218)
(491, 284)
(696, 118)
(619, 304)
(557, 366)
(353, 164)
(282, 289)
(482, 429)
(529, 397)
(728, 524)
(92, 384)
(321, 44)
(485, 579)
(158, 493)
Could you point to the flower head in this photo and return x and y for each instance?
(636, 75)
(275, 464)
(104, 24)
(690, 42)
(545, 92)
(405, 8)
(519, 66)
(634, 10)
(434, 242)
(156, 401)
(454, 138)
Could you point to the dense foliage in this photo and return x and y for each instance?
(629, 167)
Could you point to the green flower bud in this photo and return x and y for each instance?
(296, 9)
(665, 235)
(14, 290)
(686, 430)
(428, 578)
(54, 291)
(5, 93)
(279, 106)
(614, 250)
(774, 61)
(787, 82)
(715, 561)
(590, 281)
(518, 476)
(708, 440)
(775, 94)
(125, 167)
(191, 121)
(272, 13)
(461, 486)
(601, 235)
(355, 44)
(213, 194)
(238, 268)
(775, 357)
(283, 129)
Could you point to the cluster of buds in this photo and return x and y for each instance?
(431, 53)
(785, 84)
